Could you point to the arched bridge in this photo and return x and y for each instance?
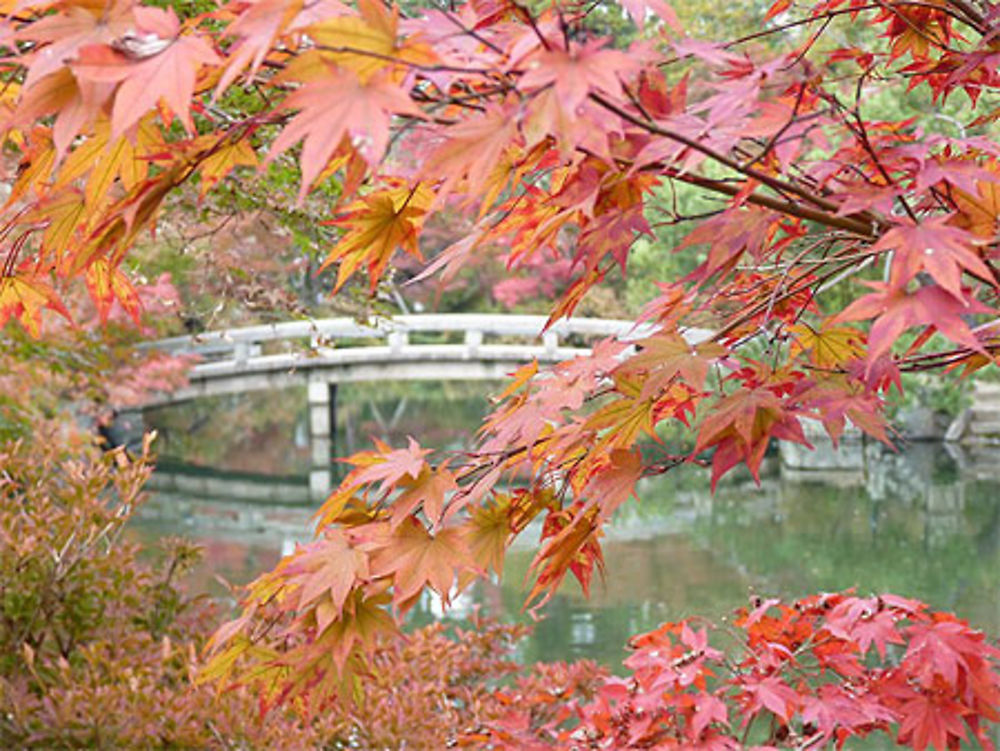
(409, 347)
(322, 353)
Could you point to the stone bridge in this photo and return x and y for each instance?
(322, 353)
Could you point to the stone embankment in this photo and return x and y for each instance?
(980, 423)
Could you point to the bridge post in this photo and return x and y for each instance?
(473, 341)
(550, 340)
(322, 398)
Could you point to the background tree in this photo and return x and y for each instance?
(553, 143)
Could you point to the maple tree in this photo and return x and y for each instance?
(556, 144)
(809, 674)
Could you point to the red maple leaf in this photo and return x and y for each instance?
(574, 74)
(896, 310)
(931, 720)
(770, 693)
(740, 426)
(934, 246)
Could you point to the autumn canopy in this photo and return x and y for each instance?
(837, 247)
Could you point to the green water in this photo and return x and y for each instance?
(912, 523)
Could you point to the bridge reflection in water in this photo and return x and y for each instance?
(915, 523)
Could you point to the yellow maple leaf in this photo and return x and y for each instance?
(377, 225)
(104, 159)
(228, 155)
(37, 165)
(367, 43)
(979, 213)
(25, 297)
(107, 283)
(828, 347)
(62, 214)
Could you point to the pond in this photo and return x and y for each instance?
(233, 476)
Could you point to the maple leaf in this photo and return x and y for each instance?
(75, 104)
(61, 36)
(363, 621)
(257, 27)
(336, 106)
(570, 543)
(24, 297)
(895, 311)
(167, 72)
(224, 155)
(941, 649)
(386, 465)
(378, 224)
(518, 380)
(729, 235)
(104, 159)
(488, 532)
(861, 621)
(367, 43)
(622, 421)
(330, 568)
(770, 693)
(933, 246)
(639, 9)
(979, 214)
(777, 8)
(930, 720)
(119, 227)
(428, 491)
(416, 559)
(829, 346)
(666, 355)
(38, 161)
(61, 215)
(835, 401)
(709, 709)
(740, 426)
(613, 484)
(576, 73)
(224, 662)
(836, 709)
(107, 283)
(472, 149)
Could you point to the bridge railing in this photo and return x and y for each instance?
(241, 344)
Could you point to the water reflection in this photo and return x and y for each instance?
(918, 522)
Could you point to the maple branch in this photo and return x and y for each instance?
(779, 186)
(756, 309)
(971, 16)
(861, 132)
(435, 68)
(830, 14)
(784, 276)
(810, 44)
(526, 14)
(773, 140)
(854, 225)
(472, 33)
